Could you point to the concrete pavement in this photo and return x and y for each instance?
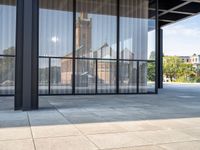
(167, 121)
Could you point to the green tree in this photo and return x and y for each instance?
(198, 71)
(187, 72)
(171, 67)
(151, 72)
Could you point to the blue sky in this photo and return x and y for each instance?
(182, 38)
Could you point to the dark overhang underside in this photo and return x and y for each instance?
(171, 11)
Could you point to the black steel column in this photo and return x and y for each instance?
(27, 56)
(35, 53)
(118, 44)
(49, 79)
(30, 55)
(19, 53)
(160, 58)
(157, 47)
(74, 49)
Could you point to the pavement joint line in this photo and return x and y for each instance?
(120, 132)
(31, 130)
(146, 145)
(53, 137)
(16, 139)
(76, 128)
(198, 140)
(175, 142)
(134, 147)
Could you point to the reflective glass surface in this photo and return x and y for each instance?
(7, 46)
(99, 61)
(96, 26)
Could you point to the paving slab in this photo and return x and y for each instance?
(65, 143)
(117, 140)
(54, 131)
(96, 128)
(194, 132)
(131, 126)
(15, 133)
(164, 136)
(17, 145)
(13, 119)
(170, 124)
(43, 117)
(193, 145)
(81, 119)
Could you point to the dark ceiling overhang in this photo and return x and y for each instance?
(171, 11)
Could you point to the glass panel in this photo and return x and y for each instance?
(143, 77)
(7, 27)
(137, 40)
(85, 76)
(96, 28)
(7, 75)
(56, 28)
(137, 36)
(128, 76)
(151, 74)
(61, 76)
(106, 76)
(146, 77)
(7, 46)
(43, 76)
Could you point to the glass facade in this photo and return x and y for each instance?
(97, 46)
(86, 46)
(7, 46)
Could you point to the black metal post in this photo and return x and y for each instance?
(19, 55)
(138, 76)
(26, 97)
(157, 47)
(35, 54)
(96, 84)
(160, 58)
(74, 48)
(118, 44)
(49, 79)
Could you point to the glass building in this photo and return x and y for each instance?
(72, 47)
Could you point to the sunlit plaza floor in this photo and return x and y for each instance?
(167, 121)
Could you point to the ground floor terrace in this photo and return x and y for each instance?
(167, 121)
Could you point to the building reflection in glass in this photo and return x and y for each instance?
(96, 45)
